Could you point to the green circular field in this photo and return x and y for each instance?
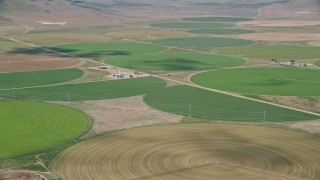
(263, 81)
(203, 42)
(193, 151)
(28, 127)
(218, 19)
(170, 61)
(317, 63)
(191, 25)
(221, 31)
(108, 48)
(38, 78)
(269, 52)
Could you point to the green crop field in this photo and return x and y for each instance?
(221, 31)
(37, 78)
(199, 103)
(174, 61)
(89, 91)
(94, 50)
(28, 127)
(269, 52)
(218, 19)
(191, 25)
(317, 63)
(263, 81)
(203, 42)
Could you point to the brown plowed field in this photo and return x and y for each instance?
(193, 151)
(19, 63)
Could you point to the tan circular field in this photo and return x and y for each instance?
(280, 23)
(193, 151)
(281, 36)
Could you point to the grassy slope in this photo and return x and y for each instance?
(175, 61)
(210, 105)
(90, 91)
(203, 42)
(191, 25)
(263, 81)
(37, 78)
(268, 52)
(93, 50)
(27, 127)
(218, 19)
(221, 31)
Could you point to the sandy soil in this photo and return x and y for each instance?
(309, 126)
(281, 36)
(306, 103)
(19, 63)
(314, 43)
(23, 175)
(121, 113)
(279, 23)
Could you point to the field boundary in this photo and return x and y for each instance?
(177, 81)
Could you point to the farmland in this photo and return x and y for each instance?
(263, 81)
(95, 50)
(28, 127)
(269, 52)
(191, 25)
(221, 31)
(109, 89)
(37, 78)
(203, 42)
(317, 63)
(170, 61)
(203, 104)
(218, 19)
(193, 151)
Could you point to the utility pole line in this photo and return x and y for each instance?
(13, 94)
(190, 110)
(68, 96)
(264, 116)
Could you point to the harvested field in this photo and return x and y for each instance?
(309, 126)
(191, 25)
(280, 37)
(124, 113)
(23, 62)
(279, 23)
(193, 151)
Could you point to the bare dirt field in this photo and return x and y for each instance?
(281, 37)
(122, 113)
(314, 43)
(305, 103)
(23, 175)
(309, 126)
(280, 23)
(22, 62)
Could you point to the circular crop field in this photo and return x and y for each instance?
(221, 31)
(263, 81)
(28, 127)
(269, 52)
(218, 19)
(203, 42)
(93, 50)
(170, 61)
(193, 151)
(191, 25)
